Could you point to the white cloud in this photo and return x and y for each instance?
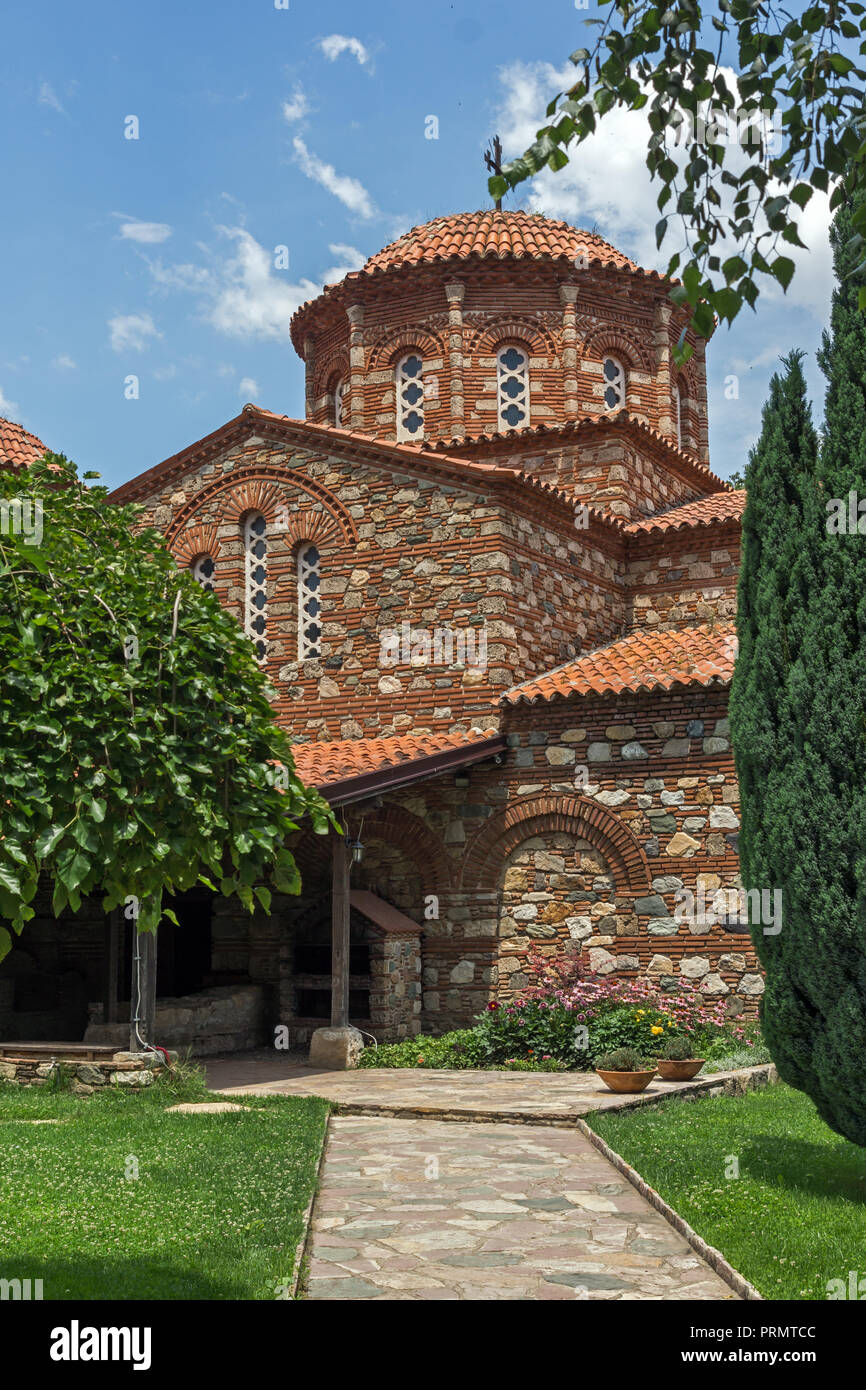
(242, 296)
(297, 108)
(351, 192)
(606, 183)
(149, 233)
(48, 97)
(350, 258)
(335, 44)
(130, 332)
(64, 363)
(8, 409)
(248, 388)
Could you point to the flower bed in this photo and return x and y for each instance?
(564, 1021)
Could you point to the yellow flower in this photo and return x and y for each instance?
(656, 1029)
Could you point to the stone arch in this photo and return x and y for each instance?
(262, 488)
(574, 815)
(614, 342)
(534, 335)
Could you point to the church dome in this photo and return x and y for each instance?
(493, 322)
(515, 235)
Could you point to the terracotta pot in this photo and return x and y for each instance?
(679, 1071)
(626, 1082)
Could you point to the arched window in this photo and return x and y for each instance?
(339, 395)
(256, 565)
(678, 410)
(410, 396)
(512, 374)
(614, 384)
(202, 570)
(309, 603)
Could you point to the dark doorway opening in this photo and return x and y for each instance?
(183, 958)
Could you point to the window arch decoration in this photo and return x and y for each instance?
(309, 601)
(512, 386)
(256, 576)
(614, 384)
(409, 388)
(202, 569)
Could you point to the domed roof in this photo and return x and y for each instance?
(488, 235)
(514, 235)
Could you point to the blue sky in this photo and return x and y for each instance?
(262, 128)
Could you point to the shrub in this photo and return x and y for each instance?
(530, 1030)
(456, 1050)
(677, 1050)
(623, 1059)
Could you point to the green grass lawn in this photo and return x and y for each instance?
(795, 1217)
(215, 1211)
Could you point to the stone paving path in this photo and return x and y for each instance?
(421, 1209)
(539, 1097)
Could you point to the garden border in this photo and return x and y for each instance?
(714, 1258)
(307, 1219)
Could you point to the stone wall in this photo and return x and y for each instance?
(131, 1071)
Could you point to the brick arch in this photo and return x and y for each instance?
(603, 341)
(197, 540)
(329, 373)
(536, 336)
(392, 347)
(262, 488)
(544, 815)
(395, 826)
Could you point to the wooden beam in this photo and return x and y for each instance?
(339, 932)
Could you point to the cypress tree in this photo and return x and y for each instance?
(798, 713)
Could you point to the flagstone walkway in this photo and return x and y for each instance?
(475, 1185)
(420, 1209)
(527, 1097)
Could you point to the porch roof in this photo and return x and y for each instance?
(346, 770)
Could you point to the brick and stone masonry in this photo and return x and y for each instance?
(594, 552)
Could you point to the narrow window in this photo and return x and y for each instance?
(256, 557)
(614, 384)
(202, 570)
(512, 364)
(339, 390)
(410, 397)
(309, 603)
(678, 405)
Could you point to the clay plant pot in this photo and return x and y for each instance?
(626, 1082)
(679, 1071)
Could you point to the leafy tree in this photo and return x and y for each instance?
(797, 711)
(796, 115)
(138, 750)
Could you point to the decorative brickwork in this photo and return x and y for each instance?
(590, 555)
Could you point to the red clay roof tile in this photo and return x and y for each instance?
(719, 506)
(322, 764)
(512, 234)
(646, 660)
(18, 446)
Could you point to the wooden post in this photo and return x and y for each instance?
(112, 958)
(339, 933)
(143, 991)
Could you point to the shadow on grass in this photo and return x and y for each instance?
(144, 1277)
(801, 1166)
